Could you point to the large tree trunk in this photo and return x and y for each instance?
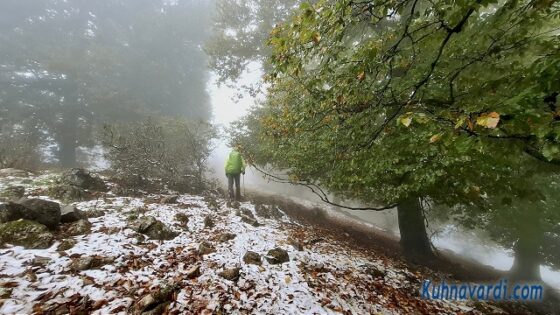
(414, 242)
(67, 150)
(67, 139)
(526, 264)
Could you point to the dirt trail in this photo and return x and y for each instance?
(361, 236)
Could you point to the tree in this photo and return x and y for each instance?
(79, 64)
(525, 220)
(160, 153)
(393, 101)
(239, 34)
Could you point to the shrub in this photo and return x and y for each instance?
(19, 148)
(159, 153)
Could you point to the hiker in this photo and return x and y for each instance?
(235, 166)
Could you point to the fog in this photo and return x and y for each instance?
(69, 68)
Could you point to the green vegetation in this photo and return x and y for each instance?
(389, 102)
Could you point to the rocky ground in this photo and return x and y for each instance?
(184, 254)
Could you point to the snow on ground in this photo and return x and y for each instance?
(324, 278)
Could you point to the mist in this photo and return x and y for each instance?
(143, 93)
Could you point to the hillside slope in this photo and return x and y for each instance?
(290, 269)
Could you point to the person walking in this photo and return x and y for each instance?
(235, 166)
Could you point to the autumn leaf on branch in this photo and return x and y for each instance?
(488, 120)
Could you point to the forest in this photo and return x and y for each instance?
(386, 144)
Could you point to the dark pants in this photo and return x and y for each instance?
(231, 179)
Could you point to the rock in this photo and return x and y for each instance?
(89, 262)
(205, 248)
(83, 179)
(11, 212)
(40, 261)
(156, 302)
(208, 222)
(169, 199)
(231, 274)
(225, 237)
(375, 271)
(29, 234)
(153, 228)
(159, 231)
(295, 243)
(43, 211)
(277, 256)
(71, 214)
(5, 293)
(13, 192)
(194, 272)
(141, 225)
(252, 258)
(68, 193)
(12, 172)
(182, 218)
(79, 227)
(139, 237)
(66, 245)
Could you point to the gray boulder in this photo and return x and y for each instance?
(182, 218)
(43, 211)
(205, 248)
(277, 256)
(11, 212)
(29, 234)
(252, 258)
(83, 179)
(89, 262)
(71, 214)
(231, 274)
(153, 228)
(208, 222)
(226, 237)
(69, 193)
(66, 244)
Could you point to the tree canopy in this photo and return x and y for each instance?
(70, 65)
(388, 100)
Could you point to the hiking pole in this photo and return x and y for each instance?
(244, 191)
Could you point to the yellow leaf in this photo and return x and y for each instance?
(435, 138)
(488, 120)
(316, 38)
(361, 76)
(406, 121)
(288, 279)
(460, 123)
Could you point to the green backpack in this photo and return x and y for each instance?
(234, 163)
